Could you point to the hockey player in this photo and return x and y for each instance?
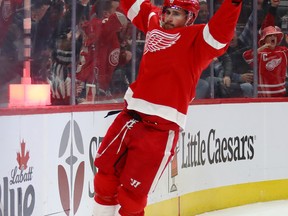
(141, 141)
(272, 63)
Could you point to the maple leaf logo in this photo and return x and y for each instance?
(23, 157)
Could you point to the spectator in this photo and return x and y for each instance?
(241, 74)
(222, 68)
(45, 19)
(60, 71)
(272, 63)
(232, 76)
(266, 17)
(122, 74)
(220, 79)
(101, 48)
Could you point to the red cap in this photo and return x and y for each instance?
(271, 30)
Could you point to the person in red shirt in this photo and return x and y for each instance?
(272, 63)
(101, 48)
(141, 141)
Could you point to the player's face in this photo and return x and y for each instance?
(173, 18)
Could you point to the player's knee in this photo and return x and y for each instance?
(131, 203)
(105, 187)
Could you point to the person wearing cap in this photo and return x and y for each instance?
(272, 63)
(141, 141)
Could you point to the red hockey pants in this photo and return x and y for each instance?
(131, 159)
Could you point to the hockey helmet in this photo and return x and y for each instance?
(192, 7)
(271, 30)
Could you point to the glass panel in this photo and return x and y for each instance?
(224, 77)
(43, 43)
(230, 75)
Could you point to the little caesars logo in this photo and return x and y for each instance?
(198, 151)
(194, 150)
(14, 199)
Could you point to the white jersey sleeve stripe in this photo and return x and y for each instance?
(272, 85)
(134, 10)
(211, 40)
(150, 15)
(272, 92)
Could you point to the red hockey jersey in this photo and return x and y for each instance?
(174, 59)
(101, 51)
(272, 66)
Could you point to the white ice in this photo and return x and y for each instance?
(273, 208)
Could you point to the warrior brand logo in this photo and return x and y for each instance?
(134, 183)
(71, 145)
(196, 151)
(14, 199)
(157, 40)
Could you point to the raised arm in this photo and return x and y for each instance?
(223, 23)
(219, 31)
(138, 12)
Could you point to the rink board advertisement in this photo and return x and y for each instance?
(47, 161)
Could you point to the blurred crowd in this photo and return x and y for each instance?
(232, 74)
(108, 50)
